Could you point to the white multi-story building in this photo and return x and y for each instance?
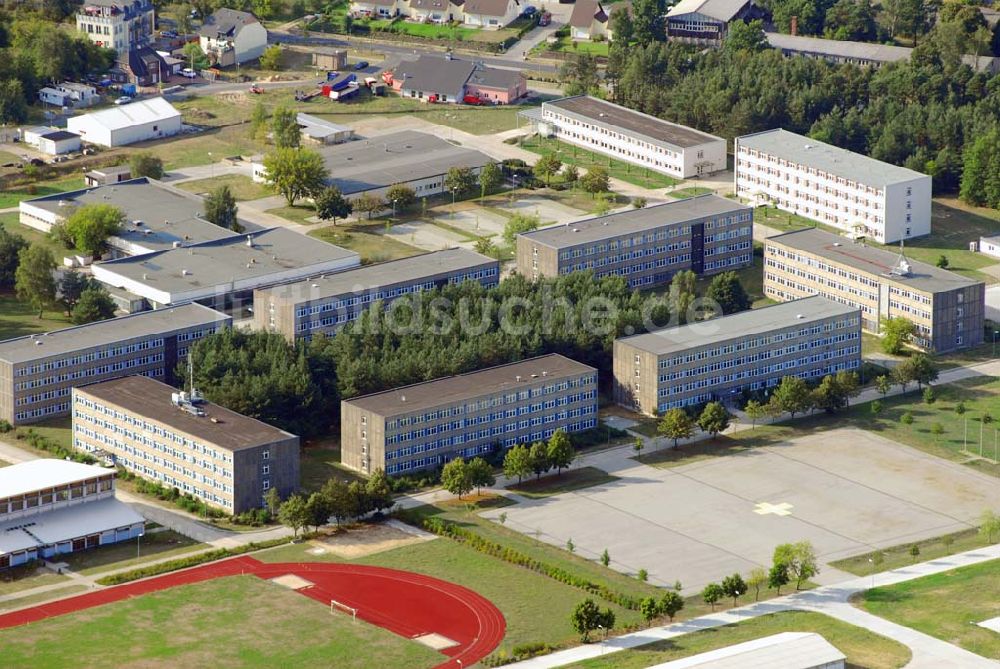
(631, 136)
(121, 25)
(857, 194)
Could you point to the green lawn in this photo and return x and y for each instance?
(568, 45)
(864, 649)
(11, 198)
(899, 556)
(17, 579)
(583, 158)
(11, 223)
(59, 430)
(240, 621)
(978, 395)
(18, 319)
(242, 187)
(569, 480)
(690, 191)
(437, 31)
(153, 546)
(319, 462)
(945, 606)
(372, 247)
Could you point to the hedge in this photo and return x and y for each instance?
(495, 549)
(189, 561)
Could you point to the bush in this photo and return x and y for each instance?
(43, 443)
(495, 549)
(189, 561)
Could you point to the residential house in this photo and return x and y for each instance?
(588, 21)
(705, 22)
(231, 37)
(121, 25)
(490, 14)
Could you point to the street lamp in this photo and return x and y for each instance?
(211, 164)
(394, 201)
(995, 333)
(454, 192)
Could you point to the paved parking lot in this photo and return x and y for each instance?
(846, 491)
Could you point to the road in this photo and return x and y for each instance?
(511, 61)
(928, 652)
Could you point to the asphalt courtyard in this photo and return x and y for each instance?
(847, 491)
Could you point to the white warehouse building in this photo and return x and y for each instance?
(127, 124)
(849, 191)
(630, 136)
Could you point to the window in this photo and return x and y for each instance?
(266, 455)
(266, 469)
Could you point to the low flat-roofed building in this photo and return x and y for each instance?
(225, 272)
(50, 507)
(52, 141)
(138, 121)
(718, 359)
(787, 650)
(37, 372)
(321, 131)
(107, 176)
(424, 425)
(706, 234)
(837, 187)
(179, 440)
(371, 165)
(631, 136)
(158, 216)
(946, 308)
(322, 305)
(989, 246)
(326, 58)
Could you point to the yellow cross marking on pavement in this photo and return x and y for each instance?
(765, 508)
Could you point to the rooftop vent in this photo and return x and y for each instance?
(402, 398)
(250, 241)
(836, 243)
(137, 224)
(518, 378)
(799, 316)
(184, 272)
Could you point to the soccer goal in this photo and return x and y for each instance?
(340, 606)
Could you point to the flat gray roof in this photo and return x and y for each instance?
(157, 214)
(422, 396)
(756, 321)
(33, 475)
(881, 53)
(620, 118)
(368, 277)
(92, 335)
(398, 157)
(872, 260)
(831, 159)
(635, 220)
(223, 261)
(151, 399)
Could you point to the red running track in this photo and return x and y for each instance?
(402, 602)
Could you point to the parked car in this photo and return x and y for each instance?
(257, 90)
(530, 10)
(474, 100)
(189, 73)
(123, 100)
(432, 98)
(170, 34)
(545, 19)
(361, 64)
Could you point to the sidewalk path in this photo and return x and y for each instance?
(928, 652)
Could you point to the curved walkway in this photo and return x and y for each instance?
(832, 600)
(408, 604)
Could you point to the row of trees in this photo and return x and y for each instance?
(83, 299)
(522, 460)
(337, 499)
(678, 424)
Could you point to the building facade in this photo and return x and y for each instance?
(38, 372)
(121, 25)
(230, 37)
(422, 426)
(846, 190)
(718, 359)
(52, 507)
(322, 305)
(706, 234)
(631, 136)
(705, 22)
(181, 441)
(946, 308)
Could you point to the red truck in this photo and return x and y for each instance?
(474, 100)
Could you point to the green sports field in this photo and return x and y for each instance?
(240, 621)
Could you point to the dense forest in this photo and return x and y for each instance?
(923, 114)
(456, 329)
